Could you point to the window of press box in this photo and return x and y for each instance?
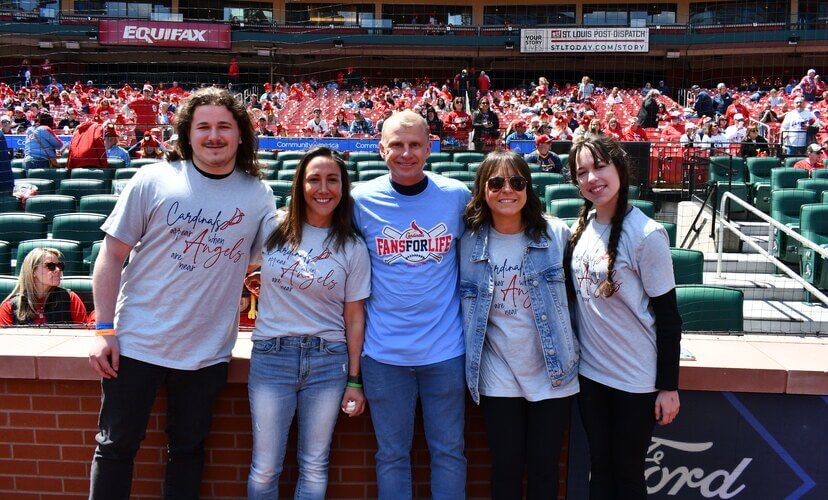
(740, 12)
(455, 15)
(320, 14)
(626, 14)
(528, 15)
(48, 9)
(133, 10)
(221, 10)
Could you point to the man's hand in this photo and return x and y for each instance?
(104, 356)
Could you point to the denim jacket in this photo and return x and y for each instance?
(544, 277)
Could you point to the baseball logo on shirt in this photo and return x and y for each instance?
(414, 244)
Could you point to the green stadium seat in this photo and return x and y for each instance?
(55, 174)
(648, 207)
(17, 227)
(5, 260)
(543, 179)
(113, 163)
(290, 164)
(80, 226)
(367, 175)
(472, 167)
(634, 193)
(438, 157)
(564, 159)
(290, 155)
(51, 205)
(791, 161)
(783, 177)
(44, 186)
(466, 158)
(17, 163)
(123, 174)
(710, 308)
(671, 231)
(759, 171)
(10, 203)
(281, 188)
(820, 173)
(447, 166)
(265, 155)
(18, 173)
(535, 168)
(104, 174)
(371, 165)
(62, 161)
(565, 208)
(816, 185)
(82, 187)
(353, 176)
(98, 203)
(268, 174)
(824, 197)
(138, 162)
(357, 156)
(286, 174)
(278, 201)
(71, 250)
(7, 284)
(728, 172)
(93, 256)
(270, 164)
(81, 285)
(561, 192)
(785, 208)
(688, 266)
(460, 175)
(813, 223)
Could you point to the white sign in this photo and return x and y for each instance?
(584, 40)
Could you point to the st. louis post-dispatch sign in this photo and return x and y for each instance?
(584, 40)
(164, 34)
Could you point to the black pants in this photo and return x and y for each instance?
(125, 409)
(524, 433)
(619, 427)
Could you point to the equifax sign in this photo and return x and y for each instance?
(164, 34)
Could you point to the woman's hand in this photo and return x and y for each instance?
(666, 407)
(253, 283)
(356, 395)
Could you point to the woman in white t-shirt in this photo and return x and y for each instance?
(521, 352)
(622, 286)
(309, 331)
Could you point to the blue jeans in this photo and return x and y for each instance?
(795, 150)
(125, 410)
(392, 393)
(288, 375)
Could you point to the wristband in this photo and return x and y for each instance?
(354, 385)
(104, 326)
(104, 332)
(356, 379)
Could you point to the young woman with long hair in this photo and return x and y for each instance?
(521, 352)
(309, 331)
(622, 286)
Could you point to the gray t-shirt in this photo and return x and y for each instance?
(617, 334)
(512, 363)
(193, 238)
(304, 291)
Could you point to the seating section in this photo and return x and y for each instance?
(710, 308)
(814, 226)
(785, 208)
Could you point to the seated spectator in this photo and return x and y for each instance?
(317, 125)
(149, 147)
(42, 145)
(518, 133)
(737, 131)
(713, 136)
(113, 150)
(774, 98)
(614, 129)
(754, 144)
(261, 127)
(691, 135)
(814, 159)
(70, 122)
(768, 115)
(365, 101)
(635, 132)
(37, 299)
(361, 125)
(548, 161)
(349, 103)
(340, 126)
(674, 130)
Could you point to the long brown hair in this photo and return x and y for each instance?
(606, 149)
(478, 213)
(25, 288)
(211, 96)
(289, 232)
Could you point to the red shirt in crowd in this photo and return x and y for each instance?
(146, 111)
(76, 309)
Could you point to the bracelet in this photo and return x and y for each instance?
(104, 326)
(356, 379)
(104, 332)
(354, 385)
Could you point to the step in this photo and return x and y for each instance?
(751, 263)
(752, 228)
(786, 318)
(759, 286)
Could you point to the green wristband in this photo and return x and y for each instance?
(354, 385)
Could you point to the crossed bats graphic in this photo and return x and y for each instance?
(437, 230)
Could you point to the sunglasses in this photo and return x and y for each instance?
(517, 182)
(51, 266)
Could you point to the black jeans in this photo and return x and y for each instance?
(525, 433)
(619, 427)
(125, 408)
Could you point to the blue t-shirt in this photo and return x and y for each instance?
(413, 314)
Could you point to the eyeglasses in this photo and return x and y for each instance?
(51, 266)
(517, 182)
(484, 103)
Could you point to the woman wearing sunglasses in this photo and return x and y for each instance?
(309, 331)
(37, 299)
(521, 353)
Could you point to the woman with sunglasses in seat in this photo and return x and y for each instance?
(623, 293)
(521, 352)
(309, 330)
(37, 299)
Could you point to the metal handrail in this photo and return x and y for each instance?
(730, 197)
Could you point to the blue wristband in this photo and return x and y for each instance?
(104, 326)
